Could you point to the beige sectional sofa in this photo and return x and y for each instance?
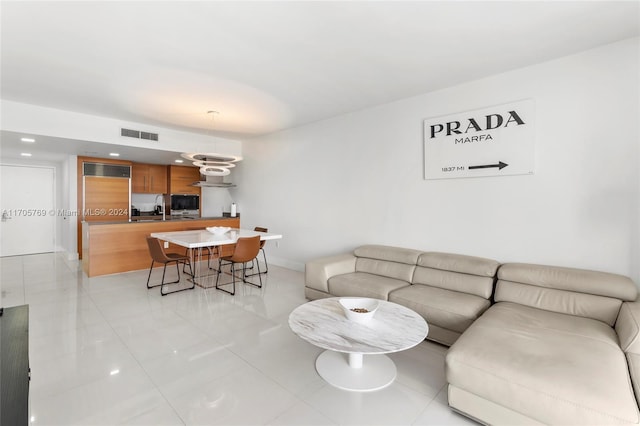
(449, 290)
(555, 346)
(547, 351)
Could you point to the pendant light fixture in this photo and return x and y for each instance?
(212, 164)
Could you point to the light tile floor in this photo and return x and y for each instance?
(106, 350)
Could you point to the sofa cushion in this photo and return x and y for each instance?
(459, 263)
(628, 330)
(362, 284)
(575, 280)
(465, 274)
(454, 281)
(389, 253)
(447, 309)
(387, 261)
(628, 327)
(590, 294)
(600, 308)
(552, 367)
(398, 271)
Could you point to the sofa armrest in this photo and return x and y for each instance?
(317, 272)
(628, 327)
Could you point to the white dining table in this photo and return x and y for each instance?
(201, 238)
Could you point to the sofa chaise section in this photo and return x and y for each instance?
(547, 351)
(450, 291)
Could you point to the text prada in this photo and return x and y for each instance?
(491, 121)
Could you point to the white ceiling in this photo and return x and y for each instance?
(266, 66)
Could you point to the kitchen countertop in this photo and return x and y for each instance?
(149, 219)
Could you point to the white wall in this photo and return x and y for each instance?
(358, 178)
(65, 200)
(38, 120)
(66, 237)
(60, 177)
(215, 201)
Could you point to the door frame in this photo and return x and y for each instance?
(55, 194)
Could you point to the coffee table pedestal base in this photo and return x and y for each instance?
(342, 371)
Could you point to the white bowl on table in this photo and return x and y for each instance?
(359, 309)
(218, 230)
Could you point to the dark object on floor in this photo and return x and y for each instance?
(14, 366)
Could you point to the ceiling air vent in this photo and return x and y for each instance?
(130, 133)
(108, 170)
(138, 134)
(149, 136)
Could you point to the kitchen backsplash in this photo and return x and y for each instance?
(143, 201)
(214, 201)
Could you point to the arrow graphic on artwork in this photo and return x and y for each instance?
(500, 166)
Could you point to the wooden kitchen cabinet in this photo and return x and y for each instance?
(181, 179)
(148, 179)
(106, 199)
(139, 176)
(111, 248)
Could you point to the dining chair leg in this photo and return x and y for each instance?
(190, 267)
(162, 292)
(187, 252)
(232, 274)
(266, 265)
(149, 277)
(164, 270)
(245, 276)
(210, 256)
(256, 261)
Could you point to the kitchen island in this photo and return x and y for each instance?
(113, 247)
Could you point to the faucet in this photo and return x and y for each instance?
(163, 206)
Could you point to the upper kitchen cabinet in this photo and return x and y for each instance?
(181, 179)
(148, 179)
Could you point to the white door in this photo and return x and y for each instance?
(27, 207)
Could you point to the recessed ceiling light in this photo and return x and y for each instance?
(178, 161)
(25, 154)
(27, 139)
(114, 154)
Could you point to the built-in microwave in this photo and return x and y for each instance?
(185, 205)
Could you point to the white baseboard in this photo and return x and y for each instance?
(67, 255)
(285, 263)
(72, 256)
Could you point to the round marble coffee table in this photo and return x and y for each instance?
(393, 328)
